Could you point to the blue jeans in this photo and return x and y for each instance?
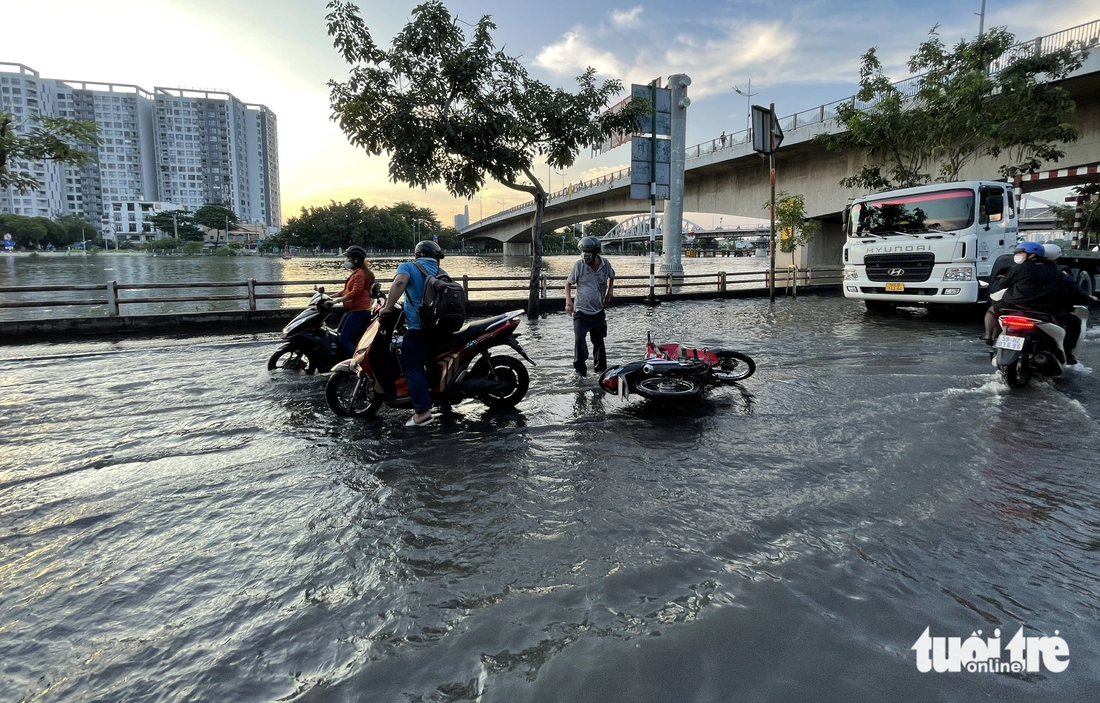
(415, 351)
(350, 329)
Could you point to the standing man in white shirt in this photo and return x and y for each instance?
(595, 281)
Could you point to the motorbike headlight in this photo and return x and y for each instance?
(849, 274)
(961, 273)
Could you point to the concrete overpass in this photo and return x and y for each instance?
(724, 175)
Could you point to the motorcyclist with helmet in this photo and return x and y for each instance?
(417, 345)
(595, 281)
(355, 297)
(1036, 283)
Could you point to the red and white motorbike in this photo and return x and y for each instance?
(675, 372)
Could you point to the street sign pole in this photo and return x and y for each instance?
(652, 300)
(771, 163)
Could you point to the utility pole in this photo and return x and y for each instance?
(981, 21)
(652, 299)
(771, 164)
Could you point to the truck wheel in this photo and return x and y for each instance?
(1085, 283)
(881, 306)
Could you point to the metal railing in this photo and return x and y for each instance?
(249, 293)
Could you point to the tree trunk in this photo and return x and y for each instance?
(536, 253)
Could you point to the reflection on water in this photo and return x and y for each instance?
(77, 269)
(176, 523)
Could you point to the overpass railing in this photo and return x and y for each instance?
(253, 294)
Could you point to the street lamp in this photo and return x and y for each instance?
(748, 103)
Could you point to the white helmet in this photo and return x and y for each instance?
(1051, 252)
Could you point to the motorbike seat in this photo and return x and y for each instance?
(473, 329)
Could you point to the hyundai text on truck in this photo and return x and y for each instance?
(938, 244)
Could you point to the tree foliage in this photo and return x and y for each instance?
(42, 138)
(791, 223)
(457, 112)
(339, 225)
(959, 112)
(172, 221)
(599, 227)
(215, 216)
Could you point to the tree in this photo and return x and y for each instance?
(216, 216)
(791, 223)
(961, 111)
(72, 228)
(42, 138)
(455, 112)
(599, 227)
(172, 222)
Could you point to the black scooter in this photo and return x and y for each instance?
(311, 345)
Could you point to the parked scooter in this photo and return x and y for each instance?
(463, 368)
(675, 372)
(1031, 344)
(311, 345)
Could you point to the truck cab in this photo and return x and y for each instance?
(928, 245)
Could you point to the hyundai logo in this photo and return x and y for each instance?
(896, 272)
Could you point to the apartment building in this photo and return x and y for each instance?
(187, 147)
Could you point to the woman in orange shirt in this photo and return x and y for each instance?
(355, 297)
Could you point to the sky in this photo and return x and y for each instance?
(798, 54)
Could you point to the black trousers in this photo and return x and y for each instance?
(596, 327)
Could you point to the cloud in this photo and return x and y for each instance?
(574, 53)
(627, 19)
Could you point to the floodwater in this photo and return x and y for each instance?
(177, 524)
(77, 269)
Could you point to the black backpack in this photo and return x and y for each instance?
(443, 305)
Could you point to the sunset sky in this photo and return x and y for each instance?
(276, 52)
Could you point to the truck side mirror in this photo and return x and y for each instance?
(994, 207)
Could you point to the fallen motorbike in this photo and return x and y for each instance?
(1031, 344)
(463, 368)
(311, 345)
(675, 372)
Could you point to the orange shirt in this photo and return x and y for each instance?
(357, 289)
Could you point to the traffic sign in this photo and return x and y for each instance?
(767, 135)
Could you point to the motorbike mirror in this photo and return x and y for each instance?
(319, 289)
(376, 290)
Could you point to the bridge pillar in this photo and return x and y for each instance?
(674, 206)
(826, 248)
(517, 249)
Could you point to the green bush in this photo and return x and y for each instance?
(192, 248)
(224, 251)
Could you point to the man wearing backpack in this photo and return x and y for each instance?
(417, 346)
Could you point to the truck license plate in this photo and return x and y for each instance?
(895, 287)
(1007, 342)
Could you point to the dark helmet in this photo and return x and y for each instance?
(356, 253)
(590, 244)
(428, 248)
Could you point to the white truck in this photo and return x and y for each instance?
(938, 245)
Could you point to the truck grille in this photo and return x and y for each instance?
(907, 291)
(913, 268)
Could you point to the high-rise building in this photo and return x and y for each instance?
(463, 220)
(188, 147)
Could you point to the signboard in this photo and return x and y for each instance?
(766, 132)
(663, 103)
(640, 191)
(8, 243)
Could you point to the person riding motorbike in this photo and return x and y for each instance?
(355, 297)
(1036, 283)
(417, 345)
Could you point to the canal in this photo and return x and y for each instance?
(178, 524)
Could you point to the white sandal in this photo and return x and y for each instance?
(413, 423)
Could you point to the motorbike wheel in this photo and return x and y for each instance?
(514, 373)
(1015, 375)
(668, 387)
(339, 390)
(733, 366)
(291, 360)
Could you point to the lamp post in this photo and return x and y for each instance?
(748, 102)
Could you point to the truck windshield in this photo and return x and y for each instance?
(943, 211)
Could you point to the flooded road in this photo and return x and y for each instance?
(177, 524)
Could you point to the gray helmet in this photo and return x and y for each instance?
(357, 253)
(590, 244)
(429, 249)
